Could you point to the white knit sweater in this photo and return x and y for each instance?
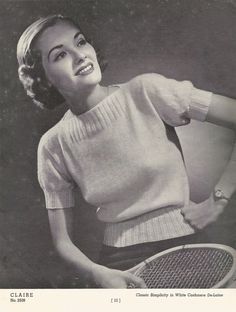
(124, 157)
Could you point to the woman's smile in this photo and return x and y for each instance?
(85, 70)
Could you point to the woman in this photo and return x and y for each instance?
(112, 143)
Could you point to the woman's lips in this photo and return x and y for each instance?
(85, 70)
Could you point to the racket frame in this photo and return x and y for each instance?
(229, 277)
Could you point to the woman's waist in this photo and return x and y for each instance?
(124, 210)
(155, 225)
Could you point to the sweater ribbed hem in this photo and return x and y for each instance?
(154, 226)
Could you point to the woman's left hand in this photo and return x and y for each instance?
(201, 214)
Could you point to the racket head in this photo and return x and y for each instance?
(206, 266)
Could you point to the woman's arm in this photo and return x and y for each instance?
(222, 112)
(61, 225)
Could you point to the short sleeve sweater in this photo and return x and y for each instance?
(123, 153)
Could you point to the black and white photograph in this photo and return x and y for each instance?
(117, 145)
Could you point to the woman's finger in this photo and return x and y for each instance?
(135, 281)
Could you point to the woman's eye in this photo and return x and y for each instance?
(60, 56)
(81, 42)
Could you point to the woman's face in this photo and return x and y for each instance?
(69, 61)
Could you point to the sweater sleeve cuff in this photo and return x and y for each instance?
(60, 199)
(200, 102)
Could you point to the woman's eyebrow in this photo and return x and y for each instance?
(77, 35)
(54, 48)
(61, 45)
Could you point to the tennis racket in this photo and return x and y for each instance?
(189, 266)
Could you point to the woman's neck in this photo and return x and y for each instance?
(89, 99)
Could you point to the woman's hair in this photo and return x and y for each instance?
(31, 71)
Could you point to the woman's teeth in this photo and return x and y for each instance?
(86, 69)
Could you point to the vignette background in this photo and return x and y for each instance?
(183, 39)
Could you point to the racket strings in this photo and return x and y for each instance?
(187, 268)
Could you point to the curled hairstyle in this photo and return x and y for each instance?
(31, 72)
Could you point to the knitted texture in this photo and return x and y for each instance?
(123, 153)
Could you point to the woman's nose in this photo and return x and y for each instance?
(78, 57)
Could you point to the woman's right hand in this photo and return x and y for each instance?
(61, 221)
(111, 278)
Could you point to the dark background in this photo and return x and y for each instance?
(182, 39)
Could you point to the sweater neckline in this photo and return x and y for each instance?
(69, 114)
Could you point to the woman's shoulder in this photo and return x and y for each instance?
(146, 80)
(50, 139)
(158, 84)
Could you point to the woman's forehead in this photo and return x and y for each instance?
(57, 34)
